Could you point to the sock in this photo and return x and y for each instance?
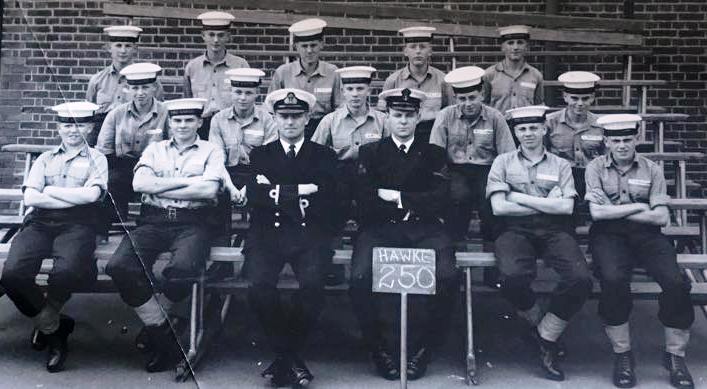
(532, 315)
(676, 340)
(620, 337)
(151, 312)
(551, 327)
(47, 320)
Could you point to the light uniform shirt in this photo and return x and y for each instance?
(514, 172)
(439, 93)
(579, 145)
(237, 138)
(504, 91)
(81, 168)
(107, 89)
(476, 141)
(345, 135)
(643, 182)
(164, 159)
(126, 134)
(324, 84)
(205, 79)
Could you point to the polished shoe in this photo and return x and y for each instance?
(58, 348)
(548, 360)
(417, 364)
(624, 366)
(299, 373)
(142, 339)
(278, 372)
(386, 366)
(533, 337)
(165, 351)
(679, 375)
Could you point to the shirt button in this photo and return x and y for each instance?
(304, 224)
(176, 168)
(277, 213)
(277, 224)
(63, 176)
(532, 182)
(356, 143)
(137, 142)
(514, 94)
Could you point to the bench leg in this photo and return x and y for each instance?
(471, 377)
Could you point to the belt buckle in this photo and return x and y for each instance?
(172, 214)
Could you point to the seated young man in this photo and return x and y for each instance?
(63, 189)
(179, 179)
(628, 202)
(402, 190)
(532, 192)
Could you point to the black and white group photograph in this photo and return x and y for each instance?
(353, 194)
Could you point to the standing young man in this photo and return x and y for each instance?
(532, 192)
(513, 83)
(205, 75)
(402, 192)
(292, 202)
(107, 88)
(309, 73)
(473, 135)
(179, 179)
(419, 74)
(63, 189)
(628, 202)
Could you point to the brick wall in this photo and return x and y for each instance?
(48, 45)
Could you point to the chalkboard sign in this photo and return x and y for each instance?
(403, 270)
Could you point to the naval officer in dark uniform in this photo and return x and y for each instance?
(292, 221)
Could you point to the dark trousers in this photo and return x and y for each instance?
(517, 248)
(266, 252)
(92, 137)
(581, 207)
(203, 131)
(120, 192)
(429, 315)
(131, 264)
(240, 175)
(423, 130)
(619, 246)
(70, 244)
(468, 193)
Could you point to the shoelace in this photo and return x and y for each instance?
(625, 362)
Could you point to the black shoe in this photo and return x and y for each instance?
(58, 348)
(165, 352)
(386, 366)
(278, 372)
(548, 360)
(624, 366)
(679, 375)
(417, 364)
(300, 375)
(142, 339)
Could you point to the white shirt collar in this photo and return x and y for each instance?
(286, 146)
(407, 144)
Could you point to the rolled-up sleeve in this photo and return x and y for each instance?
(567, 180)
(592, 178)
(146, 164)
(99, 172)
(35, 178)
(213, 170)
(496, 181)
(658, 194)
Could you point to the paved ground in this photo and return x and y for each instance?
(102, 356)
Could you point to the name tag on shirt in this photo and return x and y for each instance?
(635, 181)
(322, 90)
(372, 136)
(80, 163)
(483, 131)
(595, 138)
(253, 132)
(156, 131)
(526, 84)
(433, 95)
(547, 177)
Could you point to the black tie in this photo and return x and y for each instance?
(291, 153)
(403, 148)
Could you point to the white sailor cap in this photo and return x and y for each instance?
(514, 32)
(356, 74)
(244, 77)
(123, 33)
(75, 112)
(417, 34)
(528, 114)
(621, 124)
(215, 20)
(308, 30)
(580, 83)
(192, 106)
(290, 100)
(403, 99)
(141, 73)
(465, 79)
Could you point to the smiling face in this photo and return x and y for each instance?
(243, 98)
(418, 53)
(309, 51)
(355, 95)
(216, 40)
(530, 135)
(291, 125)
(402, 123)
(142, 94)
(470, 103)
(183, 127)
(514, 49)
(622, 148)
(74, 134)
(578, 103)
(122, 53)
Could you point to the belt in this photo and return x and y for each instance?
(151, 214)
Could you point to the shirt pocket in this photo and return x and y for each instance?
(639, 190)
(483, 138)
(253, 137)
(340, 141)
(193, 168)
(517, 182)
(592, 145)
(526, 89)
(77, 173)
(547, 181)
(106, 97)
(323, 96)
